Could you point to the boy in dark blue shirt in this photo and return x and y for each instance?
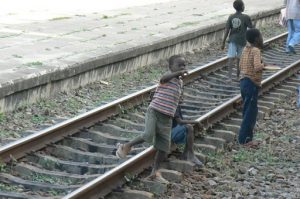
(183, 133)
(236, 27)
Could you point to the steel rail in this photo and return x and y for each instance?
(102, 185)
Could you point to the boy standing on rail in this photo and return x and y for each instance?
(251, 66)
(183, 133)
(236, 27)
(158, 120)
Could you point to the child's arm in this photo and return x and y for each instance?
(227, 31)
(181, 121)
(225, 37)
(258, 64)
(167, 77)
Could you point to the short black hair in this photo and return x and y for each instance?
(238, 5)
(252, 34)
(172, 59)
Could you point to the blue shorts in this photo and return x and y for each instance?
(179, 134)
(234, 50)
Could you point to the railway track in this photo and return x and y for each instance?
(74, 159)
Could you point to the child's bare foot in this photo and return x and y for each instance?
(252, 144)
(156, 176)
(192, 158)
(122, 150)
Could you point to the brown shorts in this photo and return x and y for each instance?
(158, 130)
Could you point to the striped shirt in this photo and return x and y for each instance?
(166, 97)
(251, 64)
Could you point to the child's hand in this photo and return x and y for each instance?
(223, 46)
(198, 125)
(182, 73)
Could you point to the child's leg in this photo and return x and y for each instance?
(160, 156)
(232, 51)
(124, 149)
(239, 52)
(155, 174)
(230, 66)
(150, 125)
(237, 68)
(249, 93)
(189, 146)
(162, 142)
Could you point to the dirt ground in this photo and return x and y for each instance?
(270, 171)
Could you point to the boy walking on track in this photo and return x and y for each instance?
(158, 120)
(236, 27)
(251, 66)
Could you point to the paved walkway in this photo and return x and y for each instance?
(41, 39)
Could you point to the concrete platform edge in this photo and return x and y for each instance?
(28, 90)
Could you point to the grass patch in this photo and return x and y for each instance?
(59, 18)
(8, 134)
(46, 104)
(8, 187)
(55, 192)
(73, 104)
(34, 64)
(50, 179)
(185, 24)
(17, 56)
(260, 136)
(114, 16)
(38, 119)
(2, 118)
(263, 154)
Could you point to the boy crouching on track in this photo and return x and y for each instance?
(158, 120)
(183, 133)
(251, 66)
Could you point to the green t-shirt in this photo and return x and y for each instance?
(237, 24)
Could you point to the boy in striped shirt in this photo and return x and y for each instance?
(158, 120)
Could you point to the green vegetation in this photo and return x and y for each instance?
(3, 167)
(34, 64)
(38, 119)
(50, 179)
(8, 134)
(48, 163)
(55, 192)
(2, 118)
(114, 16)
(185, 24)
(8, 187)
(73, 104)
(59, 18)
(263, 154)
(17, 56)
